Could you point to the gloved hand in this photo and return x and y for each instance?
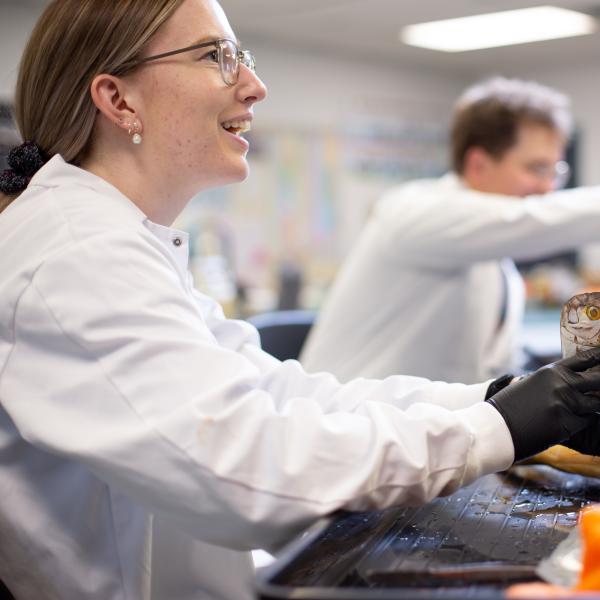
(587, 440)
(550, 406)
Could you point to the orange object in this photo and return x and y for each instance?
(544, 591)
(590, 535)
(535, 591)
(589, 579)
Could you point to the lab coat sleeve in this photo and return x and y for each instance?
(241, 451)
(288, 379)
(446, 228)
(285, 380)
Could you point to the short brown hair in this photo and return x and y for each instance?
(72, 42)
(488, 115)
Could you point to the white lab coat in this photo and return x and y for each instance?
(147, 443)
(421, 293)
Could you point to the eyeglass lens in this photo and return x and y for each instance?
(562, 173)
(559, 173)
(228, 54)
(229, 61)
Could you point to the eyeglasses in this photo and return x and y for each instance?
(559, 172)
(229, 57)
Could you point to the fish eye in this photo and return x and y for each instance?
(592, 313)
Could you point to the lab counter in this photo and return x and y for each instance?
(472, 544)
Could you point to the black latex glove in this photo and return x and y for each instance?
(588, 439)
(550, 406)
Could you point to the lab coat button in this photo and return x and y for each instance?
(177, 241)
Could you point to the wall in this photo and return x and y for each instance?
(15, 25)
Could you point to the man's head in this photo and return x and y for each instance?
(509, 136)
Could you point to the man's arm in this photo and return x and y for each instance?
(444, 227)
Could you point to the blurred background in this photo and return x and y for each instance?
(351, 111)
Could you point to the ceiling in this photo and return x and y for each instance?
(368, 29)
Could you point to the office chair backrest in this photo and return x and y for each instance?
(283, 332)
(4, 593)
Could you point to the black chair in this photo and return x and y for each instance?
(4, 593)
(283, 332)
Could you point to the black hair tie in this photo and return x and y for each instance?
(24, 162)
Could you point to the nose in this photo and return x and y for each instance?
(250, 88)
(540, 185)
(545, 186)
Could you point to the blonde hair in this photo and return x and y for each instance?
(489, 114)
(72, 42)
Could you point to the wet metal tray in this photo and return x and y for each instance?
(472, 544)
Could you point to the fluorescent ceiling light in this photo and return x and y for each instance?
(499, 29)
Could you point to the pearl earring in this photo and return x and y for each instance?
(134, 129)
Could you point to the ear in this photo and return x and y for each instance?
(112, 99)
(476, 162)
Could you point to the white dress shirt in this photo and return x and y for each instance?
(429, 291)
(147, 443)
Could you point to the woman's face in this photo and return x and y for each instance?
(185, 103)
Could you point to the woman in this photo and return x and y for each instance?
(146, 442)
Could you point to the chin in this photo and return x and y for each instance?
(239, 173)
(226, 177)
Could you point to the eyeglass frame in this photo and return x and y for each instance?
(244, 57)
(560, 173)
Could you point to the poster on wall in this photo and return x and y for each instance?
(307, 198)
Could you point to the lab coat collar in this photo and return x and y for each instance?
(58, 173)
(453, 180)
(176, 241)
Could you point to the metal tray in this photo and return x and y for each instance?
(472, 544)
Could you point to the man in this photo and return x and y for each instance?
(430, 289)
